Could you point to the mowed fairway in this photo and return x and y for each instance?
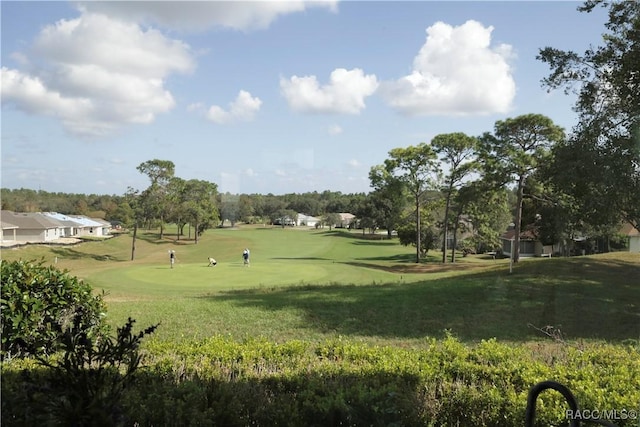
(314, 285)
(279, 257)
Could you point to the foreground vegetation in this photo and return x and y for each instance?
(220, 382)
(336, 328)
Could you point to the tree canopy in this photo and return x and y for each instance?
(514, 152)
(604, 149)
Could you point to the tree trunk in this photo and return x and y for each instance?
(195, 233)
(133, 241)
(455, 239)
(418, 237)
(446, 226)
(518, 226)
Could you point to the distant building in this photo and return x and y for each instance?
(307, 220)
(48, 227)
(345, 220)
(33, 226)
(530, 246)
(633, 237)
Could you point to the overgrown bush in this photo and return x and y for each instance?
(38, 302)
(80, 386)
(221, 382)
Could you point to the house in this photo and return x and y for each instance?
(90, 227)
(105, 225)
(285, 220)
(307, 220)
(633, 237)
(530, 246)
(69, 226)
(345, 220)
(33, 227)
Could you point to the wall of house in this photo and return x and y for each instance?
(89, 231)
(31, 235)
(634, 244)
(8, 235)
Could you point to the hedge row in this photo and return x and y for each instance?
(221, 382)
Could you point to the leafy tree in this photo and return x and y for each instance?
(457, 151)
(154, 198)
(133, 199)
(427, 237)
(271, 207)
(417, 168)
(488, 210)
(367, 213)
(177, 210)
(200, 205)
(246, 208)
(388, 197)
(605, 144)
(124, 213)
(331, 219)
(514, 152)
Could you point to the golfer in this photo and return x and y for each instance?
(172, 257)
(245, 257)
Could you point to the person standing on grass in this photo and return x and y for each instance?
(245, 257)
(172, 257)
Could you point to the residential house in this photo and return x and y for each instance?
(633, 237)
(345, 220)
(90, 227)
(69, 225)
(105, 225)
(33, 227)
(530, 246)
(285, 220)
(307, 220)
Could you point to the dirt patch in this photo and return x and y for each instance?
(416, 268)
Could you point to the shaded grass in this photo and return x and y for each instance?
(474, 306)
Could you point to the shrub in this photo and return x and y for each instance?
(38, 302)
(80, 386)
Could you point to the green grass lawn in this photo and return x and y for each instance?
(314, 285)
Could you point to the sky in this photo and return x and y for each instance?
(264, 97)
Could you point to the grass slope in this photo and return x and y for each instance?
(314, 285)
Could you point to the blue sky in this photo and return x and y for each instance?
(264, 97)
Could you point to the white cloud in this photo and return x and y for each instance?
(243, 108)
(280, 172)
(250, 172)
(456, 72)
(335, 130)
(31, 95)
(201, 15)
(98, 74)
(353, 163)
(344, 93)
